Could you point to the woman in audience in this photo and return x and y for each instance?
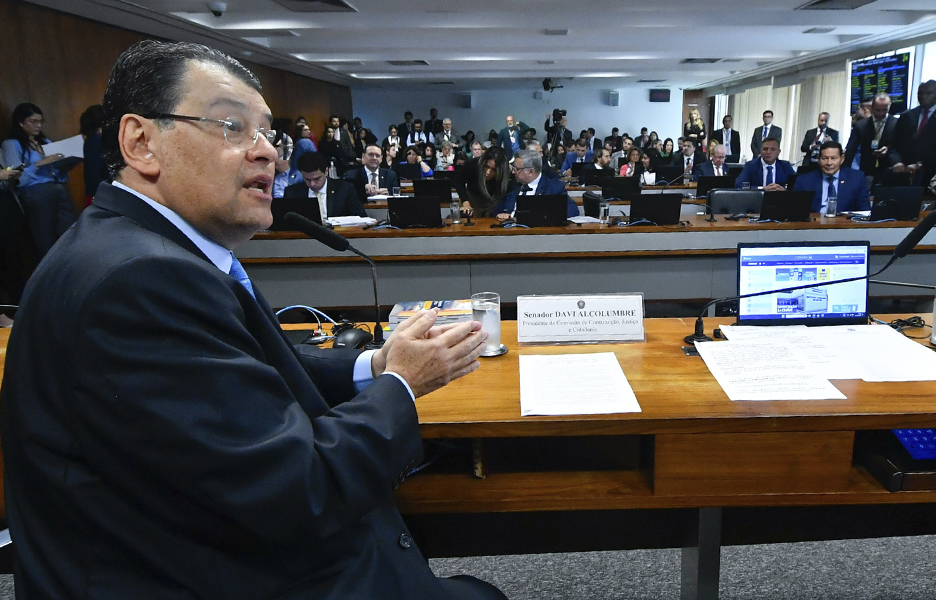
(492, 139)
(460, 159)
(392, 139)
(361, 137)
(694, 129)
(469, 139)
(330, 147)
(414, 167)
(303, 143)
(429, 156)
(484, 181)
(667, 153)
(445, 160)
(558, 157)
(652, 140)
(633, 164)
(46, 201)
(389, 155)
(91, 122)
(648, 168)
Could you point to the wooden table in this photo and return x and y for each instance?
(696, 261)
(690, 447)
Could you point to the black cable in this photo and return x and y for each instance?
(915, 322)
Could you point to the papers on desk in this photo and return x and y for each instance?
(377, 197)
(351, 221)
(574, 384)
(795, 363)
(582, 219)
(69, 147)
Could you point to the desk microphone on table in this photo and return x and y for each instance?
(902, 249)
(339, 243)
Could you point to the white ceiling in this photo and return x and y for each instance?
(480, 44)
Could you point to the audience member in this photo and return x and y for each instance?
(582, 154)
(601, 159)
(406, 127)
(633, 163)
(468, 140)
(527, 169)
(389, 160)
(666, 154)
(343, 137)
(614, 139)
(445, 159)
(491, 139)
(285, 175)
(814, 139)
(95, 171)
(694, 128)
(766, 170)
(914, 147)
(690, 156)
(730, 138)
(373, 178)
(834, 180)
(862, 112)
(330, 147)
(484, 181)
(594, 143)
(336, 198)
(17, 257)
(361, 141)
(46, 201)
(161, 438)
(393, 137)
(433, 125)
(765, 131)
(652, 139)
(715, 166)
(557, 133)
(870, 140)
(418, 137)
(477, 149)
(448, 134)
(460, 159)
(648, 173)
(510, 138)
(413, 167)
(429, 156)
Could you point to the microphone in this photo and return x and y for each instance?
(903, 248)
(339, 243)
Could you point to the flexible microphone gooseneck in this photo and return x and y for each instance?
(902, 249)
(339, 243)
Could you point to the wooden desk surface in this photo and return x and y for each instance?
(677, 394)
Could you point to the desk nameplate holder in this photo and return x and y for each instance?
(580, 319)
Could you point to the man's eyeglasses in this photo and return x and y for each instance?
(235, 133)
(518, 169)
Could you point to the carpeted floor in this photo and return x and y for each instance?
(878, 569)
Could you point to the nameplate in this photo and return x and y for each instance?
(576, 319)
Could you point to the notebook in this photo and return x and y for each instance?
(766, 266)
(659, 209)
(307, 207)
(415, 212)
(542, 211)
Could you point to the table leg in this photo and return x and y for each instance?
(701, 557)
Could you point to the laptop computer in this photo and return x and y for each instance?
(658, 209)
(433, 187)
(898, 203)
(542, 211)
(707, 184)
(734, 202)
(785, 206)
(415, 212)
(307, 207)
(597, 176)
(620, 187)
(767, 266)
(577, 168)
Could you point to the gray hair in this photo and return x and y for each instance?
(529, 158)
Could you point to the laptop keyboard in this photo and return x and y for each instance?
(920, 443)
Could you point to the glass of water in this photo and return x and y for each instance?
(604, 212)
(396, 191)
(485, 307)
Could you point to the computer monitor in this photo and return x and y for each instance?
(734, 202)
(898, 203)
(307, 207)
(787, 206)
(546, 210)
(620, 187)
(774, 266)
(433, 187)
(707, 184)
(408, 212)
(656, 209)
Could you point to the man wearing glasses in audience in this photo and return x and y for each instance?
(161, 437)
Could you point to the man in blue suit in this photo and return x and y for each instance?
(835, 179)
(582, 154)
(766, 171)
(510, 138)
(528, 169)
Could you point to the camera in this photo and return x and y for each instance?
(217, 8)
(558, 113)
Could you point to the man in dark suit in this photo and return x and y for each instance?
(834, 180)
(528, 169)
(730, 138)
(161, 437)
(766, 170)
(689, 156)
(914, 149)
(336, 198)
(768, 129)
(406, 127)
(371, 179)
(342, 136)
(714, 167)
(581, 153)
(814, 139)
(600, 161)
(871, 139)
(433, 125)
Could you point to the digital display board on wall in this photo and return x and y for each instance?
(889, 74)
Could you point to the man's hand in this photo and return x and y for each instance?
(370, 190)
(774, 187)
(429, 357)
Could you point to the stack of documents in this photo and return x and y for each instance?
(450, 311)
(351, 221)
(574, 384)
(797, 362)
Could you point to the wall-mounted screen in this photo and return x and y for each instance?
(889, 74)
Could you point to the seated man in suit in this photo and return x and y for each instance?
(836, 180)
(581, 154)
(528, 169)
(371, 179)
(766, 171)
(336, 198)
(730, 138)
(814, 139)
(601, 160)
(547, 170)
(767, 130)
(690, 156)
(447, 134)
(161, 437)
(714, 167)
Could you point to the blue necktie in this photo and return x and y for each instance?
(769, 175)
(831, 192)
(238, 273)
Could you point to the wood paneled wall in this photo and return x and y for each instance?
(61, 63)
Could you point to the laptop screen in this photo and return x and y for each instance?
(764, 267)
